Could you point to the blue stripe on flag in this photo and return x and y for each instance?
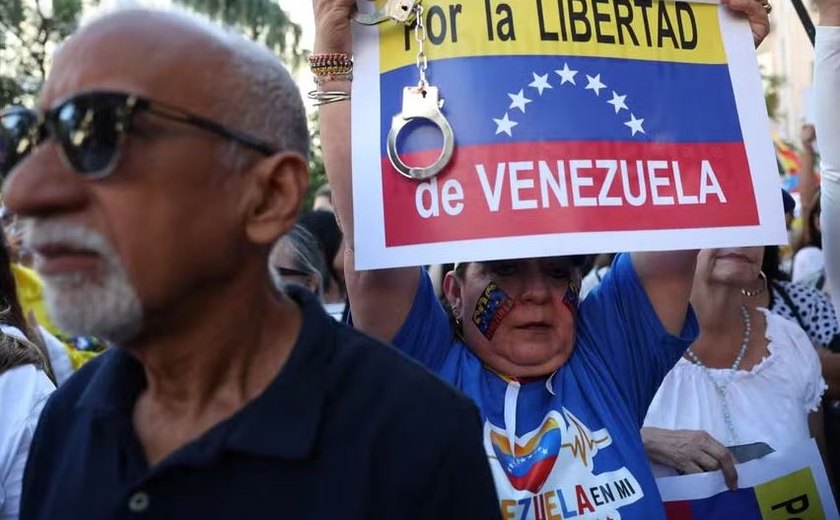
(677, 102)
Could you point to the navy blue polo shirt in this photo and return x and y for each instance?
(348, 429)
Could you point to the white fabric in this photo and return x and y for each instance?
(23, 392)
(769, 403)
(827, 123)
(592, 280)
(808, 265)
(336, 310)
(60, 363)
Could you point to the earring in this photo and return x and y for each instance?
(749, 293)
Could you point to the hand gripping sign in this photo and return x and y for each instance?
(570, 127)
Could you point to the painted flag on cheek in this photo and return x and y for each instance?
(569, 116)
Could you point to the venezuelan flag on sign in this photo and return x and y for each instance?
(790, 496)
(569, 115)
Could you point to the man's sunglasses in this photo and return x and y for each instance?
(91, 128)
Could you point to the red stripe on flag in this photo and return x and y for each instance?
(546, 196)
(680, 510)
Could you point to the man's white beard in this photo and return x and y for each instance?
(105, 307)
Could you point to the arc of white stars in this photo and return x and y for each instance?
(519, 100)
(540, 82)
(594, 84)
(566, 75)
(504, 125)
(634, 124)
(618, 102)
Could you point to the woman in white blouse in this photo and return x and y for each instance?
(750, 377)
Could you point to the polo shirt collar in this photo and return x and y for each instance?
(283, 421)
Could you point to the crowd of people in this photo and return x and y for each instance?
(180, 338)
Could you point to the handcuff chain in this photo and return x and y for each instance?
(420, 37)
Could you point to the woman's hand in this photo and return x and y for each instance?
(690, 451)
(333, 25)
(756, 14)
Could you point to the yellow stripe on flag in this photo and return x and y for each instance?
(663, 31)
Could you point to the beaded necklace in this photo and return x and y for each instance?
(723, 387)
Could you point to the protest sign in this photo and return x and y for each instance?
(782, 485)
(580, 126)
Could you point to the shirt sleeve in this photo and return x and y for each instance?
(827, 123)
(625, 334)
(426, 335)
(24, 391)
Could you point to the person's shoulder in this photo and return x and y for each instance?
(803, 294)
(392, 368)
(65, 397)
(781, 331)
(23, 391)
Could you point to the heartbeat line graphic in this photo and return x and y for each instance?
(582, 444)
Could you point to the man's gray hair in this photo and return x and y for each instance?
(305, 253)
(265, 101)
(259, 98)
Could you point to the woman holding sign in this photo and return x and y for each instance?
(563, 388)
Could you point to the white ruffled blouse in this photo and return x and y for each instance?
(769, 403)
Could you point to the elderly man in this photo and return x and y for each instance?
(165, 160)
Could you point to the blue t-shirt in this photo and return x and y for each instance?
(567, 445)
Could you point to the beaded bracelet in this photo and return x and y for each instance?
(331, 64)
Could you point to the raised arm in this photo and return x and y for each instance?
(808, 180)
(827, 98)
(667, 279)
(379, 300)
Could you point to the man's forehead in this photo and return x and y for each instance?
(149, 54)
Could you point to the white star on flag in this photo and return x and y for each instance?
(519, 100)
(540, 82)
(635, 124)
(566, 75)
(504, 125)
(594, 83)
(618, 102)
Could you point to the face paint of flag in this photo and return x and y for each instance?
(555, 137)
(490, 309)
(571, 298)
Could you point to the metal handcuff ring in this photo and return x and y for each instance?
(399, 11)
(421, 102)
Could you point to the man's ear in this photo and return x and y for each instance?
(276, 191)
(454, 290)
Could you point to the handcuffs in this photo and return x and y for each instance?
(421, 102)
